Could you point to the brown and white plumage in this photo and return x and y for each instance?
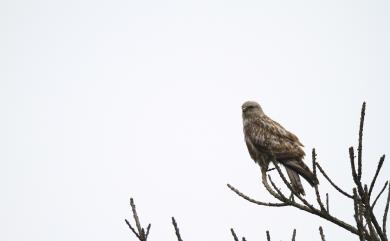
(265, 137)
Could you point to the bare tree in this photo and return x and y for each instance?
(367, 224)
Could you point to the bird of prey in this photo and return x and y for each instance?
(266, 139)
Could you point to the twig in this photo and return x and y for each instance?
(176, 229)
(360, 145)
(132, 229)
(380, 193)
(281, 196)
(327, 202)
(319, 201)
(290, 187)
(378, 168)
(358, 183)
(253, 200)
(352, 161)
(386, 211)
(140, 232)
(332, 183)
(322, 234)
(136, 219)
(147, 231)
(234, 235)
(294, 234)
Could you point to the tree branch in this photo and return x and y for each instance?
(332, 183)
(386, 212)
(140, 232)
(294, 234)
(255, 201)
(380, 193)
(378, 168)
(176, 229)
(319, 201)
(234, 234)
(360, 145)
(322, 234)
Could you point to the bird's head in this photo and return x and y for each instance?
(251, 108)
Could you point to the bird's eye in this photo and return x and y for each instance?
(245, 108)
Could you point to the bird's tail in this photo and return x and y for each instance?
(296, 183)
(294, 169)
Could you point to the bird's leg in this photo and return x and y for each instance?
(291, 198)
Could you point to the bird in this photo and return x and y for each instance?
(267, 139)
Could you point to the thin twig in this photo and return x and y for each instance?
(360, 145)
(380, 193)
(358, 183)
(176, 229)
(327, 202)
(322, 234)
(378, 168)
(319, 201)
(294, 234)
(331, 182)
(147, 231)
(136, 219)
(290, 187)
(253, 200)
(140, 232)
(352, 161)
(386, 211)
(132, 229)
(281, 196)
(234, 235)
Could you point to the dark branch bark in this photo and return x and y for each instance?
(380, 193)
(322, 234)
(176, 229)
(234, 235)
(319, 201)
(386, 212)
(360, 145)
(140, 232)
(294, 234)
(255, 201)
(332, 183)
(380, 164)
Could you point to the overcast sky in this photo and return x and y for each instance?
(105, 100)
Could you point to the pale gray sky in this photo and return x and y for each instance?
(104, 100)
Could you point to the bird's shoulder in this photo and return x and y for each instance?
(273, 128)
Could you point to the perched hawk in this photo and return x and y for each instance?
(265, 137)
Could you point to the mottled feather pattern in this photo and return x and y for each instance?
(273, 138)
(265, 138)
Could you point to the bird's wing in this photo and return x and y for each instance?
(270, 136)
(279, 130)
